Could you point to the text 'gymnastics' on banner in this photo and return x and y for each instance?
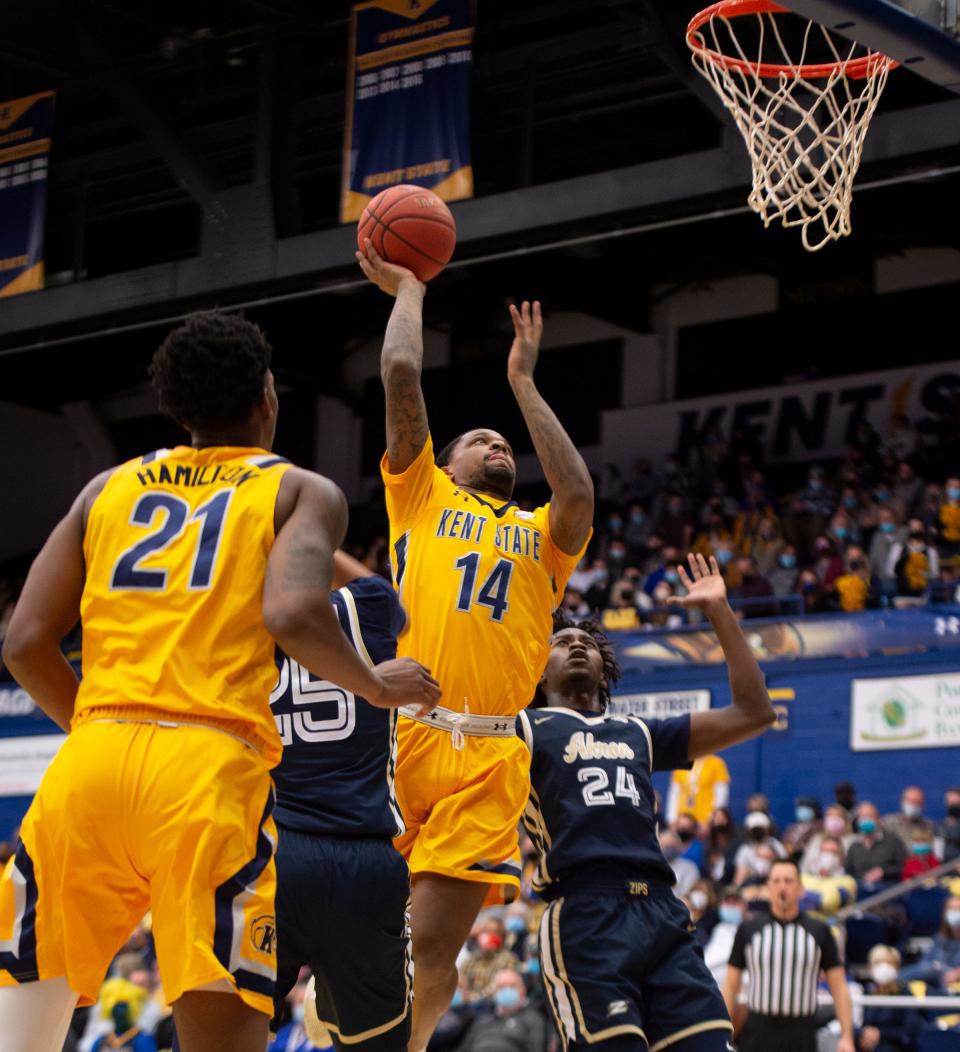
(25, 129)
(408, 100)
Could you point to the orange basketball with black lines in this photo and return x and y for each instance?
(410, 226)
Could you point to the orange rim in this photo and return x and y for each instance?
(857, 69)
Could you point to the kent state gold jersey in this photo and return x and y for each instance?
(176, 548)
(479, 580)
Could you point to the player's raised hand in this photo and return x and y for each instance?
(527, 330)
(406, 682)
(704, 584)
(386, 276)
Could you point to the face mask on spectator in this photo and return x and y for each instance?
(731, 914)
(506, 997)
(617, 552)
(672, 576)
(841, 532)
(953, 493)
(883, 973)
(788, 561)
(533, 966)
(887, 527)
(488, 941)
(921, 849)
(615, 522)
(856, 564)
(834, 825)
(815, 484)
(953, 918)
(457, 998)
(724, 556)
(685, 834)
(849, 502)
(912, 810)
(298, 1012)
(954, 810)
(829, 862)
(803, 813)
(758, 833)
(636, 517)
(516, 924)
(761, 867)
(867, 825)
(698, 899)
(881, 495)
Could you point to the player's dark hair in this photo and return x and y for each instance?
(611, 667)
(209, 372)
(445, 454)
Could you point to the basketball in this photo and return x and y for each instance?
(412, 227)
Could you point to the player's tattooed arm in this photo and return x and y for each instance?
(749, 712)
(311, 519)
(401, 361)
(571, 503)
(48, 607)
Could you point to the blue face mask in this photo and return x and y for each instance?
(516, 924)
(506, 997)
(920, 849)
(867, 825)
(887, 527)
(731, 914)
(672, 576)
(849, 502)
(841, 532)
(882, 496)
(533, 966)
(457, 998)
(724, 556)
(953, 493)
(637, 517)
(615, 522)
(804, 813)
(788, 562)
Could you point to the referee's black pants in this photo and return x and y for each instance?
(778, 1033)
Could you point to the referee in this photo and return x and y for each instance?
(784, 952)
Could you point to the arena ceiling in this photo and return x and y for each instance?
(197, 160)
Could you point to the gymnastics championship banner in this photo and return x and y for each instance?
(408, 100)
(25, 129)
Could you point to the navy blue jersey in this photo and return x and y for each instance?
(591, 798)
(339, 751)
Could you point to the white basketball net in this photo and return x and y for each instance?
(804, 134)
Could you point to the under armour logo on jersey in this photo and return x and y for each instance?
(501, 726)
(617, 1008)
(263, 934)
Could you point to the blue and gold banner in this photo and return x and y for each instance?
(25, 129)
(408, 100)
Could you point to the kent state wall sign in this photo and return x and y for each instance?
(910, 712)
(795, 423)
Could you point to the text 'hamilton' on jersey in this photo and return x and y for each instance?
(176, 547)
(591, 799)
(480, 580)
(336, 775)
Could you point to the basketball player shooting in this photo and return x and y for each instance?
(479, 579)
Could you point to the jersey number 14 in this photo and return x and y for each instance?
(492, 593)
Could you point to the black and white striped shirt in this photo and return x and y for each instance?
(784, 960)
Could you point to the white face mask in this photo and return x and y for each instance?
(698, 899)
(883, 973)
(829, 862)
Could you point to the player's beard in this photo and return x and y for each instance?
(497, 478)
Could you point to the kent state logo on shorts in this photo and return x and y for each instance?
(263, 933)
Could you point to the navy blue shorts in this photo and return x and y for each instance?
(342, 910)
(621, 968)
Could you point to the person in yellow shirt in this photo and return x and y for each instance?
(183, 567)
(480, 579)
(698, 791)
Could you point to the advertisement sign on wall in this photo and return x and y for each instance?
(661, 705)
(911, 712)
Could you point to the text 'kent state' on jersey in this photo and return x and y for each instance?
(336, 777)
(480, 579)
(591, 795)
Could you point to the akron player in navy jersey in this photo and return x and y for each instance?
(342, 888)
(619, 963)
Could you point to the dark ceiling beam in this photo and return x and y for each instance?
(526, 217)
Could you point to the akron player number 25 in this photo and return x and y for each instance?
(128, 574)
(493, 591)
